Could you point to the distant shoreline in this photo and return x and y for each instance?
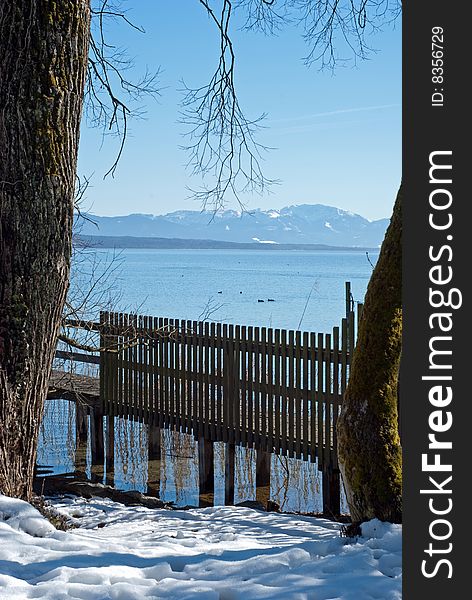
(129, 242)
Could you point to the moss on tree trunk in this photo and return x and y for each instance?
(368, 440)
(43, 60)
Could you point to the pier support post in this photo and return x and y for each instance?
(81, 439)
(206, 472)
(81, 422)
(97, 443)
(110, 450)
(331, 492)
(154, 460)
(263, 460)
(229, 473)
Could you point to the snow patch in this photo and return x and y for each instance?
(221, 553)
(255, 239)
(378, 529)
(21, 516)
(348, 213)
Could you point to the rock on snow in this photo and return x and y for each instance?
(221, 553)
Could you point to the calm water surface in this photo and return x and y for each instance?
(181, 283)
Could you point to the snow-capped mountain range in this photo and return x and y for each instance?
(300, 224)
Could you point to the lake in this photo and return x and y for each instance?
(307, 292)
(182, 283)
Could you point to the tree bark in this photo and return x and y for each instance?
(43, 60)
(368, 441)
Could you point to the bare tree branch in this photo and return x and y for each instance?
(222, 142)
(223, 147)
(111, 97)
(265, 16)
(211, 307)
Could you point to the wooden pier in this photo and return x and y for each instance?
(273, 390)
(73, 386)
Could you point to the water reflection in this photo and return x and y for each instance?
(173, 471)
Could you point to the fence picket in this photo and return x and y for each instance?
(327, 401)
(284, 398)
(291, 399)
(161, 373)
(177, 376)
(135, 367)
(146, 369)
(220, 380)
(189, 396)
(213, 379)
(257, 387)
(336, 398)
(172, 378)
(140, 370)
(278, 396)
(119, 393)
(264, 389)
(305, 395)
(243, 391)
(298, 396)
(270, 390)
(313, 398)
(320, 396)
(250, 387)
(195, 377)
(205, 376)
(236, 382)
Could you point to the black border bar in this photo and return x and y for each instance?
(436, 372)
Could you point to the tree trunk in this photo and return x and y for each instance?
(43, 61)
(368, 442)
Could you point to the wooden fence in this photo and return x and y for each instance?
(271, 389)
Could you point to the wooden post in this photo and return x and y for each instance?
(348, 298)
(229, 473)
(102, 362)
(81, 439)
(97, 445)
(206, 472)
(331, 492)
(81, 422)
(154, 460)
(110, 450)
(263, 460)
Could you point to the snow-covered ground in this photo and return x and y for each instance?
(221, 553)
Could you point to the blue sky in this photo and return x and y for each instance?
(337, 138)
